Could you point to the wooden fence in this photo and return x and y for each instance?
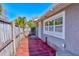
(10, 35)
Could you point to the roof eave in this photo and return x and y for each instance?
(54, 10)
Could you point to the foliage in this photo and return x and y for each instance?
(46, 23)
(51, 22)
(20, 21)
(58, 21)
(31, 24)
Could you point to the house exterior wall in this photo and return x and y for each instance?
(42, 31)
(72, 28)
(54, 42)
(36, 29)
(71, 40)
(39, 27)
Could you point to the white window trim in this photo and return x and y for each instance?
(53, 33)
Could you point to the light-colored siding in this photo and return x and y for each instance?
(72, 28)
(71, 41)
(39, 29)
(52, 41)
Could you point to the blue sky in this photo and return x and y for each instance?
(26, 9)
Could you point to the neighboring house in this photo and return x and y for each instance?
(59, 27)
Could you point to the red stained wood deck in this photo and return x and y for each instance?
(33, 46)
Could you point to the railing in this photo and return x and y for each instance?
(9, 35)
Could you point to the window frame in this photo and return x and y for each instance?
(46, 26)
(51, 26)
(59, 24)
(54, 33)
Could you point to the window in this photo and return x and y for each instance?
(46, 25)
(58, 24)
(51, 25)
(55, 25)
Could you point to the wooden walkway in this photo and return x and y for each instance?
(33, 46)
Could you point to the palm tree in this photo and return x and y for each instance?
(21, 21)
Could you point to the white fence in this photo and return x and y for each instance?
(6, 38)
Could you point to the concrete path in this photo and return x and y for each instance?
(23, 49)
(33, 46)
